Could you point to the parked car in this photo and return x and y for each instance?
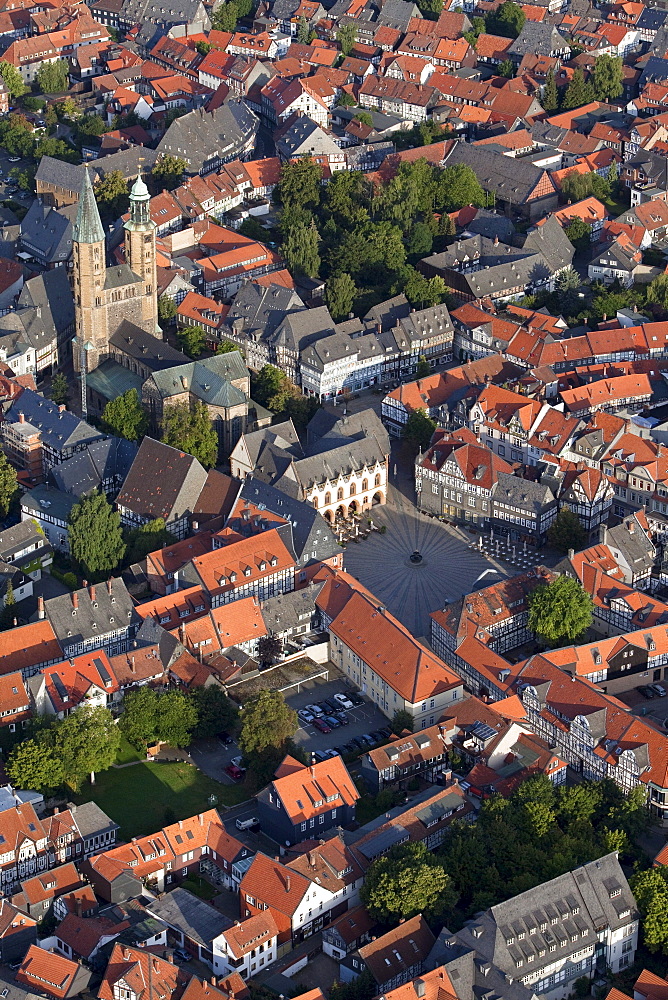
(351, 747)
(322, 725)
(330, 705)
(247, 824)
(234, 772)
(342, 717)
(182, 955)
(225, 738)
(377, 736)
(659, 689)
(385, 732)
(344, 700)
(646, 691)
(320, 755)
(237, 761)
(332, 721)
(358, 743)
(356, 699)
(314, 710)
(305, 716)
(13, 159)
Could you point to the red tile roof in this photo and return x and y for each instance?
(47, 972)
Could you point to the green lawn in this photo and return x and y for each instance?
(127, 753)
(147, 796)
(199, 887)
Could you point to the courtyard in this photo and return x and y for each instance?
(448, 568)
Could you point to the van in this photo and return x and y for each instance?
(247, 824)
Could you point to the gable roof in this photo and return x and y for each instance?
(162, 482)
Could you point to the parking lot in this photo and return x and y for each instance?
(656, 708)
(361, 719)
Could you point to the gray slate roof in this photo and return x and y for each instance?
(208, 380)
(88, 226)
(310, 532)
(261, 307)
(114, 611)
(511, 178)
(102, 462)
(305, 138)
(539, 38)
(197, 919)
(202, 136)
(46, 232)
(60, 429)
(152, 353)
(162, 482)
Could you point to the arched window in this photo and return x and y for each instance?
(315, 502)
(339, 493)
(328, 498)
(365, 485)
(377, 480)
(353, 489)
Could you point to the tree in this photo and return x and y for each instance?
(68, 109)
(607, 78)
(189, 429)
(177, 718)
(507, 69)
(345, 100)
(402, 720)
(300, 250)
(192, 340)
(550, 100)
(579, 233)
(269, 648)
(203, 48)
(272, 388)
(423, 367)
(85, 741)
(566, 532)
(148, 538)
(225, 17)
(125, 417)
(424, 292)
(34, 765)
(406, 881)
(419, 429)
(340, 292)
(53, 77)
(507, 21)
(227, 347)
(139, 721)
(266, 721)
(346, 36)
(650, 889)
(91, 125)
(299, 186)
(568, 281)
(657, 292)
(59, 389)
(578, 92)
(95, 536)
(304, 34)
(420, 240)
(168, 172)
(112, 195)
(364, 118)
(215, 711)
(8, 608)
(12, 80)
(560, 611)
(459, 186)
(8, 484)
(167, 309)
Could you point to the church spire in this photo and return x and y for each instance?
(88, 226)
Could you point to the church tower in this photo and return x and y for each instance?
(140, 253)
(89, 262)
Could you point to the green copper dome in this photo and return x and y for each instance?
(88, 227)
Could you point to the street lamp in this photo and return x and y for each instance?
(84, 348)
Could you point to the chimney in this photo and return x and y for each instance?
(132, 664)
(419, 987)
(287, 883)
(40, 607)
(78, 906)
(213, 980)
(182, 634)
(75, 600)
(22, 418)
(631, 527)
(91, 591)
(109, 586)
(604, 534)
(62, 408)
(571, 553)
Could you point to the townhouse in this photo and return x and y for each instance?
(381, 657)
(62, 688)
(94, 617)
(393, 958)
(422, 755)
(248, 946)
(199, 843)
(305, 801)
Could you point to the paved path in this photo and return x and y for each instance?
(449, 568)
